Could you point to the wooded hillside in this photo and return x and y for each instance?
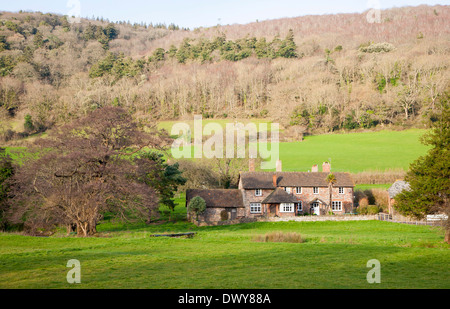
(323, 73)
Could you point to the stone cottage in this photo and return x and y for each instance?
(278, 194)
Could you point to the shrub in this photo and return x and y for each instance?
(377, 48)
(291, 237)
(368, 209)
(197, 205)
(28, 125)
(381, 198)
(363, 202)
(373, 209)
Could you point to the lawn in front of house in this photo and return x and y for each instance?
(333, 255)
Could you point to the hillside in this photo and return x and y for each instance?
(321, 73)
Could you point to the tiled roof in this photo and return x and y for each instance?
(217, 198)
(264, 180)
(279, 196)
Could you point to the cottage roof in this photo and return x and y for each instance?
(279, 196)
(398, 187)
(264, 180)
(217, 198)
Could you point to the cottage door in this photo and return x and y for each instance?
(272, 210)
(233, 213)
(316, 208)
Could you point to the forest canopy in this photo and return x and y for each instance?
(320, 73)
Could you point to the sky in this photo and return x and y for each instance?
(203, 13)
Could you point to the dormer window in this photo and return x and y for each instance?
(258, 192)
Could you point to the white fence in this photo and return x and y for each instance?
(437, 220)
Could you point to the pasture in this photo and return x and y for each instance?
(352, 152)
(333, 255)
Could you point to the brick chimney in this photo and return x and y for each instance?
(251, 165)
(274, 179)
(315, 168)
(326, 167)
(279, 166)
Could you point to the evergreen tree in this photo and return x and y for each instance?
(288, 48)
(163, 177)
(184, 52)
(158, 55)
(38, 39)
(197, 205)
(429, 176)
(6, 171)
(172, 52)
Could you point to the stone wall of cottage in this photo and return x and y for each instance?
(250, 197)
(307, 196)
(321, 218)
(213, 214)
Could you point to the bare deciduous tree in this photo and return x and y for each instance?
(85, 168)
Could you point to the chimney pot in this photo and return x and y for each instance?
(274, 179)
(326, 167)
(315, 168)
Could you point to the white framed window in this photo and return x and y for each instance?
(288, 189)
(298, 190)
(287, 207)
(299, 206)
(258, 192)
(341, 190)
(255, 208)
(316, 190)
(336, 205)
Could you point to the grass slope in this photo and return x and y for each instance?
(334, 256)
(355, 152)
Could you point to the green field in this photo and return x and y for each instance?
(334, 255)
(355, 152)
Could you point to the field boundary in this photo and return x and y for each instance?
(289, 219)
(320, 218)
(406, 220)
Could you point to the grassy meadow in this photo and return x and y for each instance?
(332, 255)
(351, 152)
(355, 152)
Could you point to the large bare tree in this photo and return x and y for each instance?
(84, 169)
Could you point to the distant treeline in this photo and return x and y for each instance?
(203, 49)
(52, 71)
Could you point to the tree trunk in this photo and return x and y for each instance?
(82, 229)
(329, 208)
(447, 236)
